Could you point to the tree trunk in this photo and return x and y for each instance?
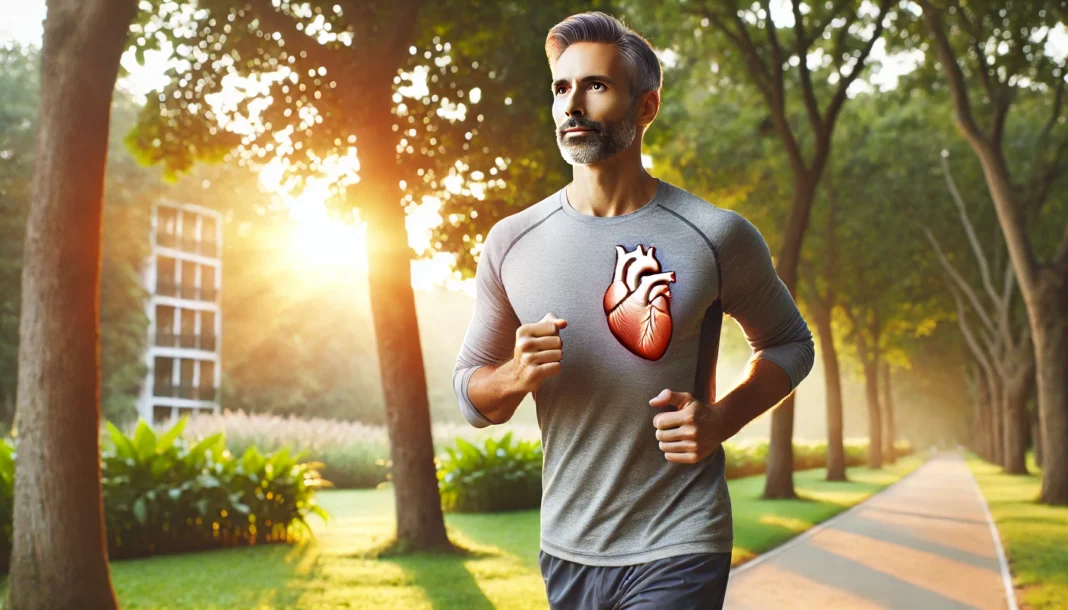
(1015, 441)
(889, 431)
(1036, 434)
(995, 418)
(980, 409)
(1049, 328)
(988, 427)
(59, 554)
(420, 523)
(836, 467)
(871, 387)
(779, 481)
(1017, 423)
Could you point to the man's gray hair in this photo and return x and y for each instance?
(642, 63)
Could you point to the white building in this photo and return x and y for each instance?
(183, 276)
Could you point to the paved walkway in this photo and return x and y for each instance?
(925, 543)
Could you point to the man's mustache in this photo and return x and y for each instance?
(579, 124)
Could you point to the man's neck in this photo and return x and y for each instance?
(611, 189)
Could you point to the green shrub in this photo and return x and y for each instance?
(167, 494)
(499, 476)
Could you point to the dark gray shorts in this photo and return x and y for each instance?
(696, 581)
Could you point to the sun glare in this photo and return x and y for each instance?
(320, 242)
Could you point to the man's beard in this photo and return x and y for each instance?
(603, 142)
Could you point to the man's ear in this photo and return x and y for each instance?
(649, 107)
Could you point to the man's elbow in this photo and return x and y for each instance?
(796, 357)
(461, 378)
(808, 358)
(473, 417)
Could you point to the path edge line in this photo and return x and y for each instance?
(1006, 575)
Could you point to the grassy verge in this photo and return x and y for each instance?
(338, 570)
(1035, 536)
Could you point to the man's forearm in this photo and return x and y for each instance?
(493, 390)
(764, 386)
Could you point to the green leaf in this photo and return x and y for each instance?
(167, 440)
(196, 453)
(123, 447)
(144, 440)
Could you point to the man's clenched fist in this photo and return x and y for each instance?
(538, 351)
(690, 433)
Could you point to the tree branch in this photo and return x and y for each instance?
(1055, 115)
(774, 95)
(969, 337)
(977, 42)
(801, 48)
(843, 83)
(773, 40)
(961, 283)
(821, 27)
(957, 87)
(758, 70)
(1002, 103)
(1041, 185)
(965, 221)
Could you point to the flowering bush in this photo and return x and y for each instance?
(354, 455)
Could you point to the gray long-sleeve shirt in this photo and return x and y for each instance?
(644, 295)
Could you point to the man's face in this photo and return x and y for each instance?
(592, 103)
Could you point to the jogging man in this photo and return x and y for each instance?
(606, 300)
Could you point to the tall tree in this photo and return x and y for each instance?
(59, 555)
(1001, 344)
(887, 407)
(424, 95)
(807, 55)
(821, 297)
(1003, 46)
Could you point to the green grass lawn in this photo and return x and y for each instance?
(1035, 536)
(338, 569)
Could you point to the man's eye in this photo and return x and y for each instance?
(597, 85)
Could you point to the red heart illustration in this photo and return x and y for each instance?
(638, 303)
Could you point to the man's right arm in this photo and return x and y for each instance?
(487, 390)
(501, 360)
(494, 392)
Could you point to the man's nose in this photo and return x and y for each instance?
(573, 107)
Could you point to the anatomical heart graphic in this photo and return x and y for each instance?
(638, 302)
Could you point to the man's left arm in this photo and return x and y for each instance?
(783, 351)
